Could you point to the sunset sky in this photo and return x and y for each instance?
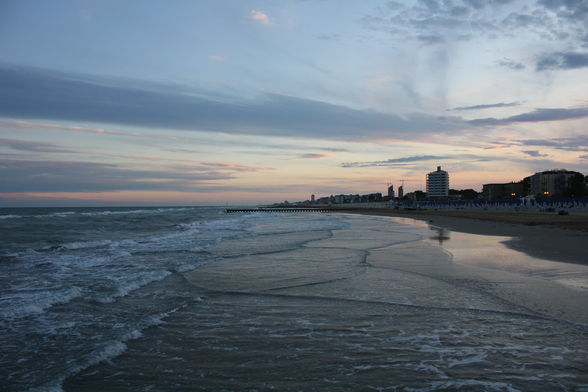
(244, 102)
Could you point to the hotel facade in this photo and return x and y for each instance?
(438, 183)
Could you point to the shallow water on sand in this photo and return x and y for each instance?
(309, 302)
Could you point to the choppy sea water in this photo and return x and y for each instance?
(173, 299)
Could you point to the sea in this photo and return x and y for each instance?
(197, 299)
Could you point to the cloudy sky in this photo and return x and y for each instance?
(243, 102)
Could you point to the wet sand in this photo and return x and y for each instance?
(538, 234)
(534, 277)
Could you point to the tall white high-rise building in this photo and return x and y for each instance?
(438, 183)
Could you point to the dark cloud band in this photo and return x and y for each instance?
(81, 176)
(32, 93)
(562, 60)
(539, 115)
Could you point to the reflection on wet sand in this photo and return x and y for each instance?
(442, 234)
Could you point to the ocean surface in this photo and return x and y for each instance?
(177, 299)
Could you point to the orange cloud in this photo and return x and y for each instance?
(235, 167)
(260, 16)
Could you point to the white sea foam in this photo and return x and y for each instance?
(430, 368)
(212, 232)
(105, 351)
(21, 304)
(110, 350)
(65, 214)
(10, 216)
(113, 262)
(85, 244)
(467, 360)
(457, 384)
(206, 233)
(56, 214)
(129, 283)
(129, 212)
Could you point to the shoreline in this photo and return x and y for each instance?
(550, 236)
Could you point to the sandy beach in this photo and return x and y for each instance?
(540, 234)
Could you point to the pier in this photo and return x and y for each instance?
(280, 209)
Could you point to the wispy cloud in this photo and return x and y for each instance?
(332, 149)
(314, 156)
(534, 153)
(23, 145)
(259, 16)
(575, 143)
(538, 115)
(431, 39)
(394, 161)
(437, 22)
(235, 167)
(216, 58)
(488, 106)
(329, 37)
(573, 10)
(19, 124)
(511, 64)
(478, 18)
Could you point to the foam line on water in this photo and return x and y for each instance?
(66, 214)
(106, 351)
(24, 304)
(112, 261)
(10, 216)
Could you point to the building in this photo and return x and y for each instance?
(312, 198)
(558, 182)
(345, 199)
(438, 183)
(401, 191)
(391, 191)
(503, 191)
(371, 197)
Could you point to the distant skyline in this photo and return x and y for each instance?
(244, 102)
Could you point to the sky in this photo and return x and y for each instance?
(243, 102)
